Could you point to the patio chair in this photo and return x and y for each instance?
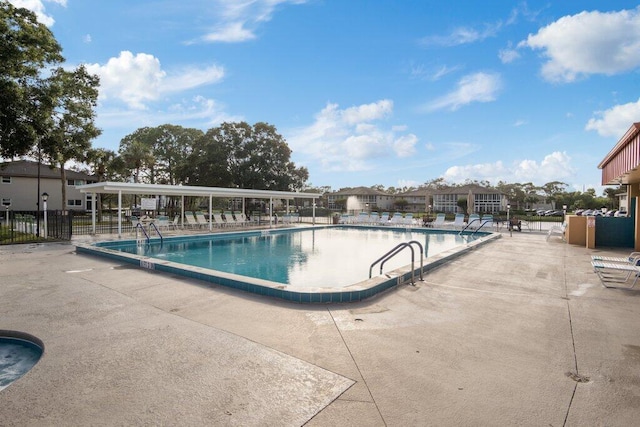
(408, 219)
(458, 221)
(201, 220)
(384, 218)
(396, 219)
(191, 220)
(241, 219)
(228, 215)
(440, 221)
(633, 258)
(557, 230)
(162, 222)
(474, 221)
(614, 272)
(363, 218)
(218, 219)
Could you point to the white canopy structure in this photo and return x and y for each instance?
(121, 188)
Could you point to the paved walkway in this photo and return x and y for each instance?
(517, 332)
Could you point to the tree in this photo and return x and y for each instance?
(239, 155)
(27, 49)
(401, 204)
(72, 120)
(137, 157)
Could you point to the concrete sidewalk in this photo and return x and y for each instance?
(517, 332)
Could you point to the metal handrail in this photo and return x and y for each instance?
(151, 224)
(397, 249)
(157, 231)
(482, 223)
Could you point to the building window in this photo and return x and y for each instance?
(72, 203)
(6, 202)
(71, 182)
(6, 180)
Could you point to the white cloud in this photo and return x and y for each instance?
(478, 87)
(38, 7)
(508, 55)
(351, 139)
(461, 35)
(616, 120)
(238, 20)
(554, 166)
(589, 43)
(199, 112)
(87, 38)
(137, 80)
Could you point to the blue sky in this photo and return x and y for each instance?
(373, 92)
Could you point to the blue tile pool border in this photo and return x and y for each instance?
(352, 293)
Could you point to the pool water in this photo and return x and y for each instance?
(320, 257)
(17, 357)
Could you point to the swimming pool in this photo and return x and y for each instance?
(309, 264)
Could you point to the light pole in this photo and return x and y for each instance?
(45, 197)
(509, 220)
(564, 211)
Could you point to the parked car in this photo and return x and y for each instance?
(579, 211)
(588, 212)
(621, 214)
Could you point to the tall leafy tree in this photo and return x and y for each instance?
(72, 119)
(137, 158)
(245, 156)
(28, 52)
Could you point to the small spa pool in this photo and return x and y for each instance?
(18, 355)
(287, 263)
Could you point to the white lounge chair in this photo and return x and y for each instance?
(363, 218)
(228, 216)
(458, 221)
(384, 218)
(440, 221)
(202, 220)
(633, 258)
(218, 219)
(557, 230)
(396, 219)
(408, 219)
(191, 220)
(614, 272)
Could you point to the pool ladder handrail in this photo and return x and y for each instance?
(151, 224)
(396, 250)
(482, 223)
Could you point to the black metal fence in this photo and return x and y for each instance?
(32, 226)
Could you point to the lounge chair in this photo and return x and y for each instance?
(633, 258)
(162, 222)
(191, 220)
(614, 272)
(474, 221)
(384, 218)
(440, 221)
(241, 219)
(218, 219)
(363, 218)
(557, 230)
(228, 216)
(486, 221)
(458, 221)
(408, 219)
(345, 219)
(396, 219)
(202, 220)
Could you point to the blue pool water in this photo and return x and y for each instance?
(17, 357)
(321, 257)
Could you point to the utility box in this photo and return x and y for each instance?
(576, 232)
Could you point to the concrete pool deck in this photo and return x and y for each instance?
(517, 332)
